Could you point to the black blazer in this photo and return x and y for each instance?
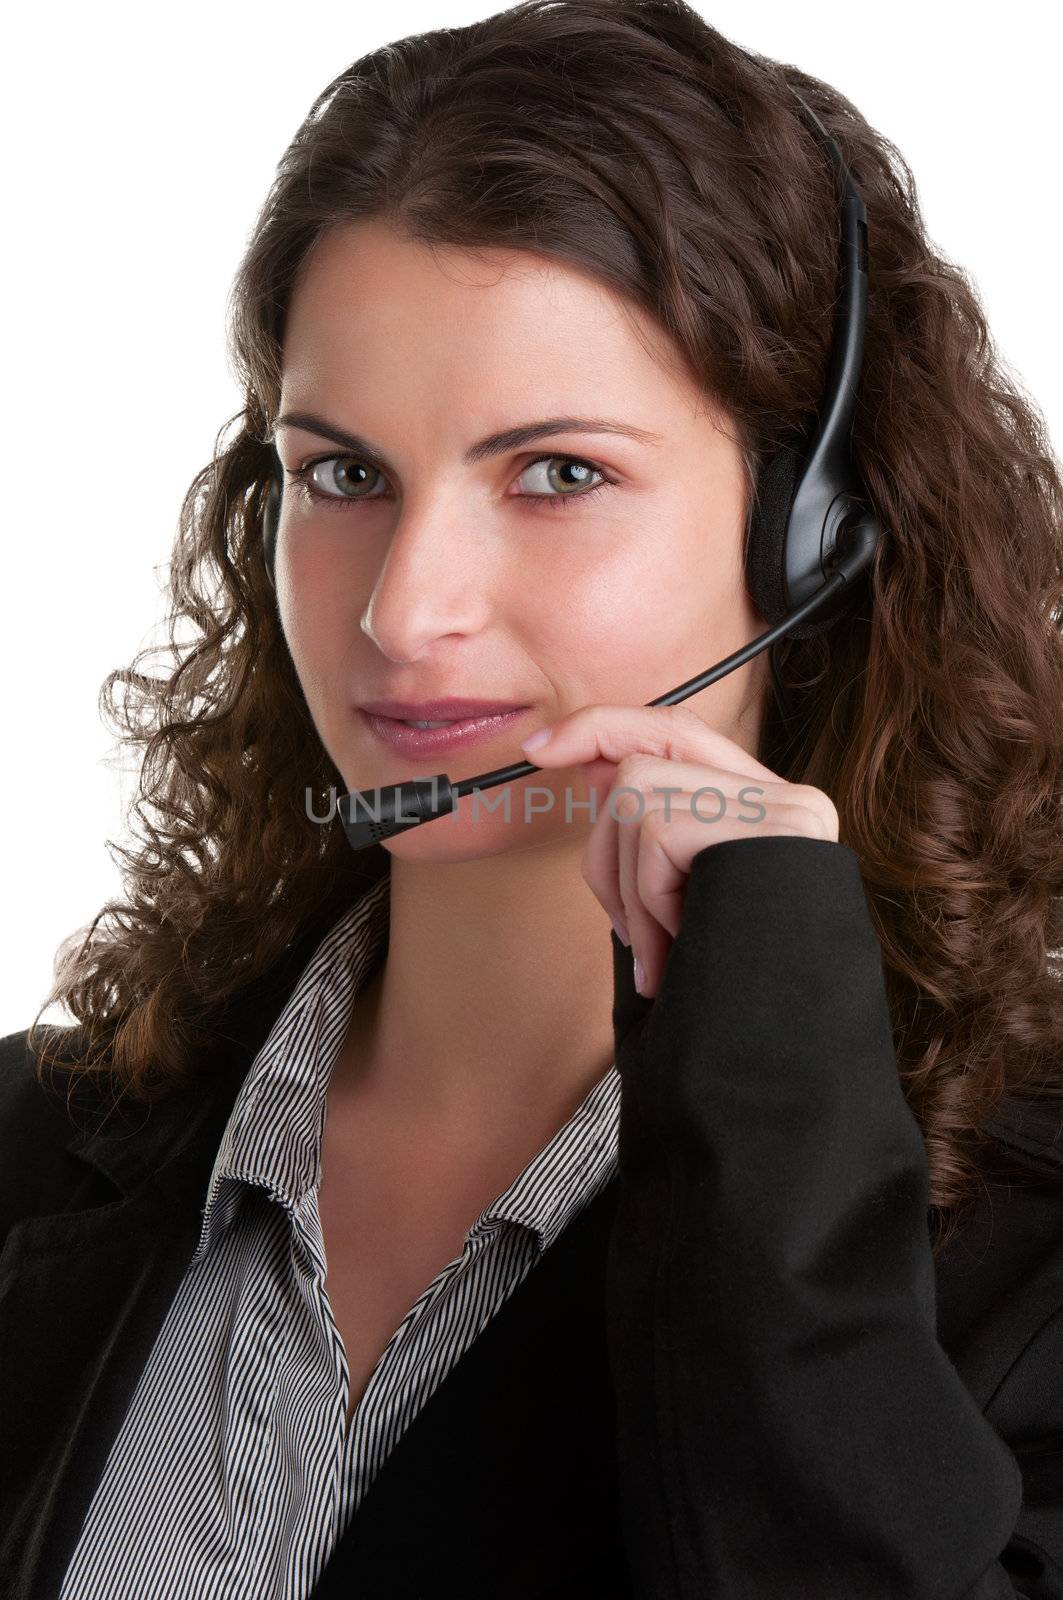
(737, 1374)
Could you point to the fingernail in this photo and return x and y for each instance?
(621, 931)
(640, 975)
(535, 740)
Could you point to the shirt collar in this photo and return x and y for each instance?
(569, 1170)
(273, 1136)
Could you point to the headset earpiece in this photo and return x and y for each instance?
(766, 543)
(809, 492)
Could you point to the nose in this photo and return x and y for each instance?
(434, 582)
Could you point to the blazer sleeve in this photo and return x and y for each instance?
(788, 1425)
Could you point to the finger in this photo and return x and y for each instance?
(650, 941)
(662, 868)
(670, 732)
(709, 791)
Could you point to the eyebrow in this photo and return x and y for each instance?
(494, 444)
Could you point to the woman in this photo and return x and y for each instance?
(381, 1228)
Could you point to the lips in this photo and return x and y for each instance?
(452, 709)
(409, 741)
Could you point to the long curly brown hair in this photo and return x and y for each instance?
(633, 141)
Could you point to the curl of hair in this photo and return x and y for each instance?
(631, 140)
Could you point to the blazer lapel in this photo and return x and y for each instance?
(999, 1279)
(83, 1293)
(82, 1296)
(506, 1480)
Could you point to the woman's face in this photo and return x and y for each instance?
(599, 562)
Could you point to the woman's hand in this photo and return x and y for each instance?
(638, 859)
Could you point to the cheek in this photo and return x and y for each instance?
(577, 627)
(636, 629)
(624, 633)
(319, 611)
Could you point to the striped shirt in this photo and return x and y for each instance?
(234, 1471)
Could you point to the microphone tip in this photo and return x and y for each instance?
(370, 815)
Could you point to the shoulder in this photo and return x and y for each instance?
(1000, 1277)
(38, 1172)
(1029, 1129)
(27, 1105)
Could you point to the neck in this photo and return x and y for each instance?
(494, 1002)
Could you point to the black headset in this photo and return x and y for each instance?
(812, 535)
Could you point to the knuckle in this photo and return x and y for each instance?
(687, 717)
(804, 805)
(656, 822)
(633, 768)
(624, 804)
(682, 724)
(807, 795)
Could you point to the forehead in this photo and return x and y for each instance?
(369, 298)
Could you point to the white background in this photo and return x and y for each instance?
(139, 145)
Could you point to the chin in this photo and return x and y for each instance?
(451, 838)
(459, 836)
